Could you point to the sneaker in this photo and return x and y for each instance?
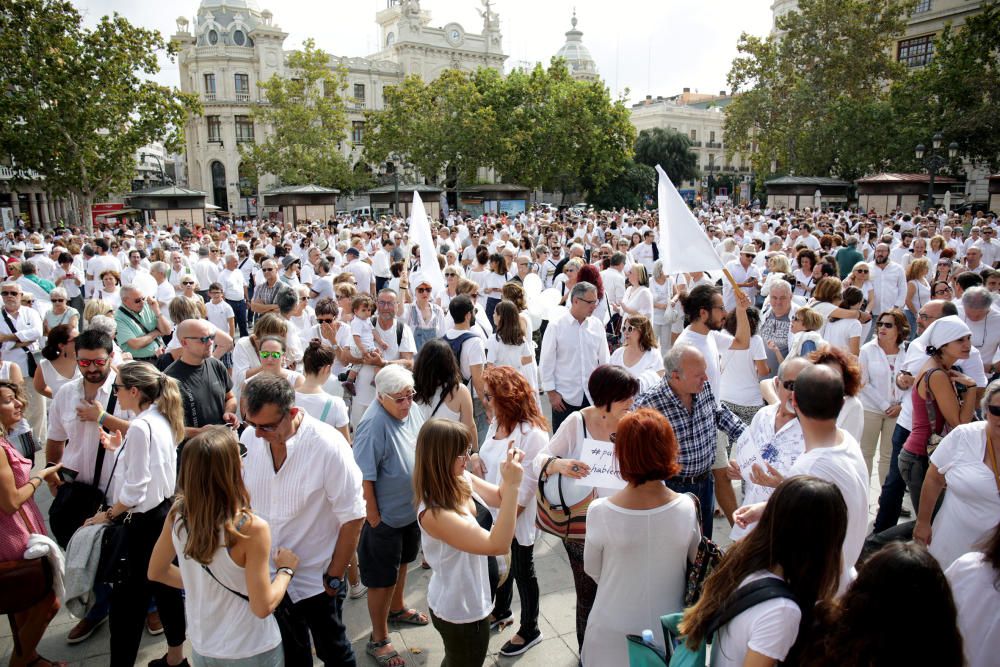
(511, 649)
(153, 624)
(358, 590)
(83, 630)
(162, 662)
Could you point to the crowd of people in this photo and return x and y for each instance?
(245, 425)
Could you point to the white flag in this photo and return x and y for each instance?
(683, 245)
(420, 233)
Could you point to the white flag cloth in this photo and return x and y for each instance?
(420, 234)
(683, 245)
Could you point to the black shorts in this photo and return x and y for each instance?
(383, 549)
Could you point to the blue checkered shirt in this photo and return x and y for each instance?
(695, 429)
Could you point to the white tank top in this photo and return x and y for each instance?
(459, 589)
(220, 624)
(443, 411)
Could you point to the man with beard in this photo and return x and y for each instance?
(889, 280)
(79, 410)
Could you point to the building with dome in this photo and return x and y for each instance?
(581, 63)
(233, 45)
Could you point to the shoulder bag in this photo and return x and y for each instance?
(112, 568)
(557, 515)
(935, 438)
(32, 362)
(707, 559)
(24, 582)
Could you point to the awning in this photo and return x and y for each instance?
(115, 214)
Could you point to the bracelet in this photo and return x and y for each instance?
(32, 479)
(287, 570)
(100, 419)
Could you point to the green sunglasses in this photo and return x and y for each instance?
(271, 355)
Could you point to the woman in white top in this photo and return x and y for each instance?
(860, 277)
(478, 273)
(974, 580)
(439, 390)
(664, 312)
(804, 281)
(493, 283)
(918, 289)
(61, 312)
(564, 281)
(846, 333)
(455, 545)
(516, 423)
(511, 346)
(638, 298)
(827, 297)
(246, 353)
(743, 369)
(224, 552)
(317, 361)
(58, 364)
(880, 397)
(612, 390)
(146, 460)
(967, 461)
(806, 560)
(110, 292)
(639, 541)
(639, 354)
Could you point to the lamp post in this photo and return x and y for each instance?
(159, 163)
(933, 162)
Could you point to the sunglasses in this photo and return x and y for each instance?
(887, 325)
(200, 339)
(85, 363)
(188, 282)
(10, 293)
(325, 320)
(994, 410)
(862, 271)
(266, 428)
(267, 270)
(789, 385)
(628, 328)
(271, 355)
(406, 398)
(424, 290)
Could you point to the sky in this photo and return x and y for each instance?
(650, 47)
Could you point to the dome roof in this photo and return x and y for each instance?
(581, 63)
(249, 5)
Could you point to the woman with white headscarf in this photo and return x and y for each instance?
(941, 397)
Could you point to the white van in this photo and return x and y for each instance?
(362, 211)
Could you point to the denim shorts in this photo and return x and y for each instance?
(273, 658)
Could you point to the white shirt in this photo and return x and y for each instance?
(315, 492)
(219, 315)
(844, 466)
(739, 382)
(233, 283)
(890, 286)
(985, 333)
(571, 350)
(614, 285)
(148, 461)
(363, 274)
(973, 585)
(769, 628)
(878, 378)
(493, 452)
(27, 327)
(741, 275)
(324, 407)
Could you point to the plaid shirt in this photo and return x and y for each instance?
(695, 429)
(268, 295)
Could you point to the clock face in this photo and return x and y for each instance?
(455, 35)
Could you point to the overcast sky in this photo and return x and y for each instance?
(652, 47)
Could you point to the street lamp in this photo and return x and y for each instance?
(933, 162)
(142, 158)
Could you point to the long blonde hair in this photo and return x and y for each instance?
(439, 443)
(212, 493)
(155, 387)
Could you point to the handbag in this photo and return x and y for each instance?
(707, 559)
(112, 568)
(558, 516)
(24, 583)
(76, 502)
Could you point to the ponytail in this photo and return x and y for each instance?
(171, 405)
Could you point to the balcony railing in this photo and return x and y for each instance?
(209, 97)
(357, 103)
(243, 97)
(712, 167)
(9, 173)
(713, 144)
(696, 144)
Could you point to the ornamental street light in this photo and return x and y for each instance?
(934, 161)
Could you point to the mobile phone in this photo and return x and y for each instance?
(67, 475)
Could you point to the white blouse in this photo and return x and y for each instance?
(878, 372)
(148, 459)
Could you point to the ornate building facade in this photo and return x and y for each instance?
(233, 45)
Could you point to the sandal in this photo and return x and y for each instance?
(408, 617)
(391, 659)
(498, 624)
(47, 663)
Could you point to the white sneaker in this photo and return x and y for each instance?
(358, 591)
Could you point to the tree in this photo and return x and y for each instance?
(78, 102)
(671, 150)
(628, 189)
(807, 94)
(306, 120)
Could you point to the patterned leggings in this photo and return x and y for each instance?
(586, 588)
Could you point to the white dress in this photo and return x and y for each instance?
(638, 559)
(970, 510)
(973, 585)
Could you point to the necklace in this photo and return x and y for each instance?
(983, 341)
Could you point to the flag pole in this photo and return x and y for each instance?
(732, 281)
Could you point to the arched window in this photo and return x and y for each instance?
(219, 195)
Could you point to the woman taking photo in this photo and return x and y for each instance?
(634, 590)
(516, 423)
(918, 290)
(452, 540)
(639, 353)
(804, 281)
(61, 312)
(146, 459)
(807, 560)
(224, 552)
(612, 390)
(317, 362)
(58, 364)
(19, 518)
(880, 397)
(948, 340)
(967, 462)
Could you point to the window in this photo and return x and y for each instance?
(244, 129)
(239, 38)
(213, 37)
(694, 135)
(359, 95)
(358, 132)
(711, 136)
(922, 6)
(916, 52)
(210, 86)
(214, 129)
(242, 83)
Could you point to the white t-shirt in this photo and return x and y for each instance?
(473, 351)
(493, 452)
(769, 628)
(651, 360)
(739, 381)
(315, 405)
(840, 333)
(711, 347)
(844, 466)
(365, 332)
(973, 585)
(219, 314)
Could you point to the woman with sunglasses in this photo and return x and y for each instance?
(61, 313)
(942, 291)
(426, 318)
(967, 462)
(109, 292)
(880, 397)
(146, 459)
(639, 353)
(189, 289)
(271, 351)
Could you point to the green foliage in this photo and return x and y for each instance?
(78, 103)
(671, 150)
(306, 117)
(542, 128)
(628, 189)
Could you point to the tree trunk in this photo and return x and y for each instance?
(86, 211)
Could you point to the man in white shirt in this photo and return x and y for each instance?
(747, 275)
(303, 480)
(400, 349)
(889, 280)
(898, 254)
(643, 253)
(362, 271)
(206, 271)
(380, 264)
(469, 347)
(613, 278)
(984, 322)
(234, 291)
(572, 347)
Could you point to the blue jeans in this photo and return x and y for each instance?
(890, 501)
(705, 490)
(240, 312)
(559, 416)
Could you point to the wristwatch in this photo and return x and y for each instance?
(287, 570)
(332, 582)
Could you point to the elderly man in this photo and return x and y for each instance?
(776, 323)
(572, 347)
(234, 291)
(265, 295)
(141, 325)
(206, 388)
(384, 448)
(984, 322)
(685, 397)
(303, 481)
(398, 337)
